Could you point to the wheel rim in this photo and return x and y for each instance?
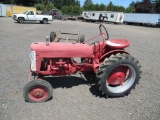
(121, 78)
(38, 94)
(45, 21)
(21, 21)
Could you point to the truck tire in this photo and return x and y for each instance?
(37, 91)
(45, 21)
(41, 22)
(21, 20)
(52, 36)
(118, 75)
(59, 18)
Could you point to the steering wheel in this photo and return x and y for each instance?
(101, 28)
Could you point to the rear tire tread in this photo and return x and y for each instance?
(108, 63)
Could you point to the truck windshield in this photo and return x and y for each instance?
(25, 12)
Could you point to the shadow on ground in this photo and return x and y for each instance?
(71, 81)
(33, 23)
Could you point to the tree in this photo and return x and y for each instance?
(111, 7)
(77, 3)
(5, 1)
(143, 7)
(88, 5)
(130, 9)
(60, 3)
(102, 7)
(39, 6)
(51, 6)
(71, 10)
(132, 4)
(96, 7)
(157, 6)
(88, 2)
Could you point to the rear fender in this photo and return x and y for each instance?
(108, 54)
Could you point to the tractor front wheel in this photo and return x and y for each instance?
(118, 75)
(37, 91)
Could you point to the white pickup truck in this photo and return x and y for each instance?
(30, 15)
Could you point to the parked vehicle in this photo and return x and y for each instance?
(142, 19)
(30, 15)
(108, 16)
(55, 14)
(116, 71)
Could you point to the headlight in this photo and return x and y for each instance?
(32, 56)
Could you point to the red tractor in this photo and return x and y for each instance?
(115, 69)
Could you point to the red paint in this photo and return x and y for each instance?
(38, 94)
(118, 43)
(57, 58)
(117, 76)
(64, 50)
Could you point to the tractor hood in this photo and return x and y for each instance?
(64, 50)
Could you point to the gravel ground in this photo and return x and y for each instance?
(73, 97)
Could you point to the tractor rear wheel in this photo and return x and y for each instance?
(118, 75)
(37, 91)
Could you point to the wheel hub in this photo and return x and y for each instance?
(117, 76)
(38, 94)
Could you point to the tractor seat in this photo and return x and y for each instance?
(117, 43)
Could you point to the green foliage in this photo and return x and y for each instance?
(102, 7)
(112, 7)
(42, 7)
(96, 7)
(146, 6)
(39, 6)
(88, 5)
(129, 9)
(73, 6)
(60, 3)
(157, 5)
(88, 2)
(51, 6)
(132, 4)
(71, 10)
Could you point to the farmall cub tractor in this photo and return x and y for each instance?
(115, 70)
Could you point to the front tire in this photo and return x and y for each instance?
(41, 22)
(118, 75)
(37, 91)
(21, 20)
